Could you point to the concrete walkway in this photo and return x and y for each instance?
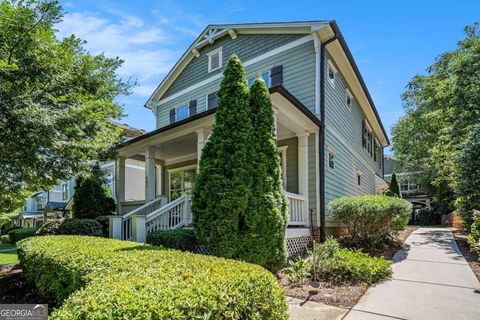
(431, 280)
(307, 310)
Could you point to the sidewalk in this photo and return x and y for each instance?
(431, 280)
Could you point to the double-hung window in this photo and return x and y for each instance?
(264, 75)
(331, 72)
(181, 112)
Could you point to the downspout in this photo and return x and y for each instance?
(321, 140)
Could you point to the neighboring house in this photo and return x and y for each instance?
(56, 202)
(409, 186)
(330, 137)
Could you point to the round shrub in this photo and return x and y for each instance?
(105, 223)
(98, 278)
(85, 227)
(181, 239)
(22, 233)
(5, 238)
(8, 229)
(371, 218)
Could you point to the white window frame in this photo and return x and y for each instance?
(348, 95)
(206, 98)
(334, 154)
(220, 56)
(283, 150)
(187, 104)
(169, 171)
(331, 67)
(260, 74)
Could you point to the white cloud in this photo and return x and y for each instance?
(143, 47)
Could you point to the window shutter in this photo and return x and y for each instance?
(364, 129)
(212, 100)
(172, 115)
(192, 107)
(276, 75)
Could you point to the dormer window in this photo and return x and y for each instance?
(348, 99)
(214, 59)
(331, 72)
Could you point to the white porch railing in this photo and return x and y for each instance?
(297, 215)
(149, 207)
(172, 216)
(128, 206)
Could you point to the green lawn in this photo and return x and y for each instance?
(8, 254)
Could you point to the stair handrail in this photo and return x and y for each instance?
(146, 205)
(165, 208)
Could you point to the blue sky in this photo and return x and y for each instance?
(391, 41)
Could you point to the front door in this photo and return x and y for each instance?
(181, 182)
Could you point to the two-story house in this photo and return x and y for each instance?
(330, 136)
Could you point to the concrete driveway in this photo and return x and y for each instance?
(431, 280)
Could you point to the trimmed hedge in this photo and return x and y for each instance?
(110, 279)
(181, 239)
(350, 266)
(22, 233)
(5, 238)
(80, 227)
(8, 229)
(371, 218)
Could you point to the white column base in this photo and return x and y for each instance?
(115, 227)
(139, 230)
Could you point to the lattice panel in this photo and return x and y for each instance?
(297, 246)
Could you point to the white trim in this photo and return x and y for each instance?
(181, 105)
(247, 63)
(332, 152)
(283, 151)
(190, 166)
(317, 177)
(331, 67)
(220, 56)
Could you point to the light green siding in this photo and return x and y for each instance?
(245, 46)
(298, 75)
(292, 163)
(343, 136)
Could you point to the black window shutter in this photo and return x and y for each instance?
(172, 115)
(192, 107)
(276, 75)
(212, 100)
(364, 129)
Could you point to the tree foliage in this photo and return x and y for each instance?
(239, 207)
(394, 188)
(222, 187)
(91, 198)
(441, 110)
(267, 217)
(56, 101)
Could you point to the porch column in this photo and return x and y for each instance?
(275, 112)
(201, 137)
(120, 183)
(303, 170)
(150, 174)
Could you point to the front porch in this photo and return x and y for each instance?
(170, 156)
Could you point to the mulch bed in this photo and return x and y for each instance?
(472, 257)
(342, 295)
(14, 288)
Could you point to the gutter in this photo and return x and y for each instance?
(321, 140)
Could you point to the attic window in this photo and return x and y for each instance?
(331, 72)
(214, 59)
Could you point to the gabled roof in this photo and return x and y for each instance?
(55, 206)
(215, 31)
(327, 32)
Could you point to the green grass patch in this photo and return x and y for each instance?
(8, 257)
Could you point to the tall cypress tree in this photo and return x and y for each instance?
(395, 186)
(222, 188)
(264, 240)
